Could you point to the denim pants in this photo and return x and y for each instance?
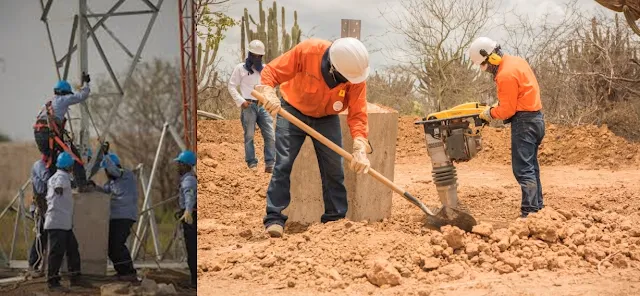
(527, 132)
(289, 140)
(251, 116)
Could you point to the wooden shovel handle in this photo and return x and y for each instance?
(313, 133)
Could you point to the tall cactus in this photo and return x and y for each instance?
(267, 31)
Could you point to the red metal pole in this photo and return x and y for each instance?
(194, 81)
(183, 74)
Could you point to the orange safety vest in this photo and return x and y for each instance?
(299, 74)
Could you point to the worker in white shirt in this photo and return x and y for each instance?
(247, 76)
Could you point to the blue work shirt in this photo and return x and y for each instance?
(188, 191)
(39, 177)
(61, 104)
(124, 196)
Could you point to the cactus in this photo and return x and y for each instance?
(267, 31)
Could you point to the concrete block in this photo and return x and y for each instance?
(91, 227)
(368, 198)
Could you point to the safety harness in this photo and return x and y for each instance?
(55, 133)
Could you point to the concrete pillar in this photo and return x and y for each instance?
(368, 199)
(91, 228)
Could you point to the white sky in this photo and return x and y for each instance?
(323, 19)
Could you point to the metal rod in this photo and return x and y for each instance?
(176, 137)
(210, 115)
(74, 27)
(45, 10)
(136, 12)
(104, 59)
(100, 22)
(124, 48)
(158, 204)
(23, 213)
(150, 5)
(22, 188)
(194, 81)
(83, 67)
(183, 70)
(114, 109)
(15, 232)
(142, 222)
(53, 50)
(147, 197)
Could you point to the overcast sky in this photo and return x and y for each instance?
(322, 18)
(27, 75)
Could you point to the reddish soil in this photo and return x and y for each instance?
(585, 242)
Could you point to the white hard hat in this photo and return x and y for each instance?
(477, 46)
(350, 58)
(256, 47)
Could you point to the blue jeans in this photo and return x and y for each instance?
(249, 117)
(289, 140)
(527, 132)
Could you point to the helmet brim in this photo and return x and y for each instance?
(358, 79)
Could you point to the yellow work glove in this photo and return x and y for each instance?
(186, 217)
(486, 114)
(360, 163)
(271, 103)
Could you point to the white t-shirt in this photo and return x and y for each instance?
(240, 76)
(59, 206)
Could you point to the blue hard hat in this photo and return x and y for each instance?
(63, 85)
(114, 159)
(186, 157)
(64, 160)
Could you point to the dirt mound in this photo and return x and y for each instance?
(335, 255)
(589, 146)
(592, 231)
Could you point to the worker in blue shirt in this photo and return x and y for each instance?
(188, 193)
(49, 130)
(39, 177)
(123, 188)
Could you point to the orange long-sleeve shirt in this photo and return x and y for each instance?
(298, 72)
(517, 86)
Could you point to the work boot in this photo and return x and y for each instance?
(253, 166)
(57, 287)
(268, 169)
(275, 230)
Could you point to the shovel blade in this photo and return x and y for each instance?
(453, 217)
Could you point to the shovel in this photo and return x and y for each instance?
(445, 216)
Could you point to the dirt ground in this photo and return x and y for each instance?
(585, 242)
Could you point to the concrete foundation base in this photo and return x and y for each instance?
(368, 198)
(91, 228)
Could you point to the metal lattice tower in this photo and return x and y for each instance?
(189, 84)
(81, 31)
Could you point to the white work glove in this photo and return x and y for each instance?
(360, 163)
(486, 114)
(272, 103)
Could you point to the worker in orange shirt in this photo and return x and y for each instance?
(318, 79)
(519, 104)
